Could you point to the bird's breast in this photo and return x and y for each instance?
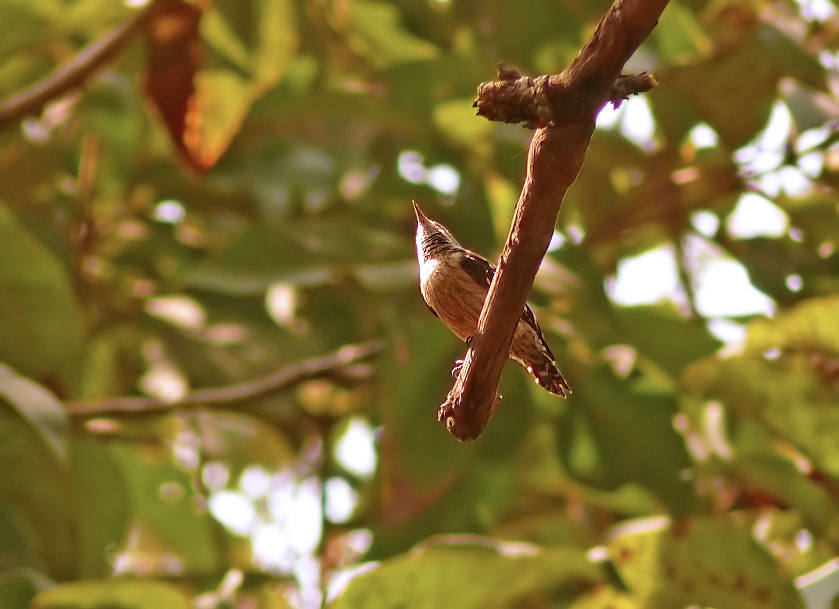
(427, 270)
(453, 295)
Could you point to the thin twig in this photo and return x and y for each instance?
(556, 155)
(73, 73)
(344, 360)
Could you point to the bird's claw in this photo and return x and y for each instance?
(458, 364)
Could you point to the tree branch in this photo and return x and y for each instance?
(74, 72)
(342, 362)
(564, 107)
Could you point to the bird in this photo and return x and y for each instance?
(454, 283)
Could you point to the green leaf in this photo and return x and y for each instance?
(308, 252)
(710, 562)
(39, 407)
(456, 119)
(171, 517)
(671, 341)
(19, 586)
(713, 87)
(416, 385)
(590, 312)
(782, 480)
(782, 380)
(632, 429)
(240, 439)
(478, 572)
(794, 59)
(519, 33)
(65, 520)
(373, 30)
(45, 340)
(502, 197)
(679, 37)
(809, 108)
(102, 506)
(35, 493)
(30, 27)
(110, 593)
(17, 544)
(606, 597)
(443, 485)
(787, 399)
(812, 325)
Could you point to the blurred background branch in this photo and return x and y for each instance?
(75, 71)
(344, 365)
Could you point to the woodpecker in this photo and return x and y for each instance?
(454, 283)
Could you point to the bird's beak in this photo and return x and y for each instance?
(420, 216)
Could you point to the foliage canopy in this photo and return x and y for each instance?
(229, 195)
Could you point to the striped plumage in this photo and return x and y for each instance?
(454, 283)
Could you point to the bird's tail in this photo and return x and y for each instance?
(531, 351)
(548, 376)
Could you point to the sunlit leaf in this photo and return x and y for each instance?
(708, 562)
(606, 597)
(502, 197)
(812, 325)
(485, 574)
(108, 593)
(784, 379)
(457, 120)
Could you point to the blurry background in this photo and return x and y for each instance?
(230, 195)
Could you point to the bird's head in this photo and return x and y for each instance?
(433, 239)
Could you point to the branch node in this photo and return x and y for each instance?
(628, 85)
(515, 98)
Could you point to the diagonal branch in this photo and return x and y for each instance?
(569, 106)
(74, 72)
(343, 362)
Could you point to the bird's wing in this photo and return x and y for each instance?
(482, 271)
(530, 319)
(478, 268)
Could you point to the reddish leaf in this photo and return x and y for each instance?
(175, 54)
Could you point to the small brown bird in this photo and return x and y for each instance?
(454, 283)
